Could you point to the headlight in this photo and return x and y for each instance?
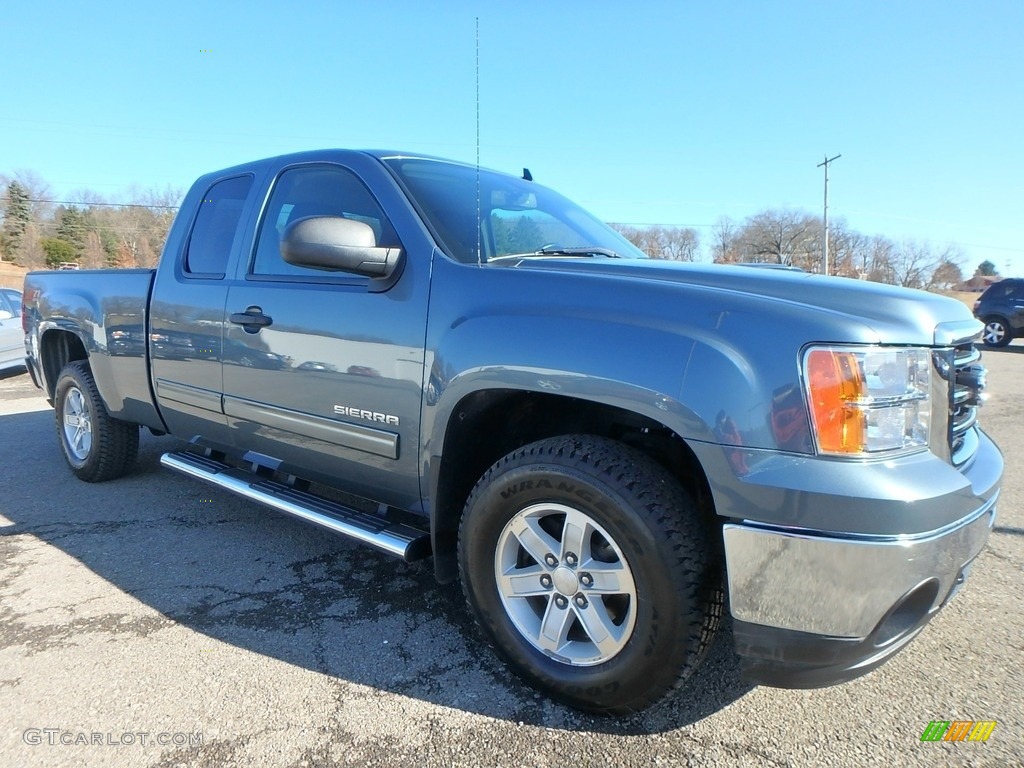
(868, 400)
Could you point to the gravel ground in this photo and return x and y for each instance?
(153, 621)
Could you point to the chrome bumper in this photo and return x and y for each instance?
(843, 586)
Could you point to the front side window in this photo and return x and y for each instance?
(318, 190)
(216, 227)
(483, 215)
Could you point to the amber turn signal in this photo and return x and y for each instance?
(835, 385)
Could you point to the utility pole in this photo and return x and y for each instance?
(825, 243)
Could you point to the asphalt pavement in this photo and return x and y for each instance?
(153, 621)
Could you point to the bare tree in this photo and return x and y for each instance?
(876, 259)
(914, 263)
(146, 257)
(658, 242)
(162, 205)
(93, 254)
(680, 243)
(781, 237)
(30, 253)
(87, 197)
(725, 242)
(846, 249)
(628, 231)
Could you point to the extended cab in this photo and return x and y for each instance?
(436, 359)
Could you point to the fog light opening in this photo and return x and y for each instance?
(908, 612)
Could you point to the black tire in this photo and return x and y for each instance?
(661, 608)
(997, 332)
(96, 446)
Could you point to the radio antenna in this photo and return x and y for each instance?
(479, 255)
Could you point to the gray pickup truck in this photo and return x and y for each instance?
(438, 360)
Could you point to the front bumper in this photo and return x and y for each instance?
(813, 609)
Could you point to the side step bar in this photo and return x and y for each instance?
(395, 539)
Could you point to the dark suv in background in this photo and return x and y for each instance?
(1001, 308)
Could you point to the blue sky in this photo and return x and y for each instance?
(672, 113)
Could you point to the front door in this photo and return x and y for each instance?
(323, 370)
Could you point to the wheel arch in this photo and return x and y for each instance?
(57, 348)
(997, 316)
(478, 432)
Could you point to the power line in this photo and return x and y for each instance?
(109, 205)
(658, 224)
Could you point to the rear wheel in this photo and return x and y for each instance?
(97, 447)
(591, 571)
(997, 332)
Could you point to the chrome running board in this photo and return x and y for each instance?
(395, 539)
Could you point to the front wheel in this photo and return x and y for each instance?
(591, 571)
(97, 446)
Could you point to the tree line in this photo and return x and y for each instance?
(793, 238)
(89, 231)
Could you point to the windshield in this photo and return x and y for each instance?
(516, 217)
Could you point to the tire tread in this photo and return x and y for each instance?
(661, 501)
(115, 442)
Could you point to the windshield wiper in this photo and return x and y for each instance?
(585, 250)
(552, 250)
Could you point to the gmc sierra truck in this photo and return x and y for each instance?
(439, 360)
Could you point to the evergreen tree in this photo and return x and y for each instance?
(72, 229)
(57, 251)
(17, 216)
(110, 246)
(525, 236)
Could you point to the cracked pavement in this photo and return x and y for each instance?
(156, 605)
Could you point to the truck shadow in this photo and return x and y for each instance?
(12, 373)
(258, 580)
(1010, 349)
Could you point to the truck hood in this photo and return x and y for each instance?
(885, 314)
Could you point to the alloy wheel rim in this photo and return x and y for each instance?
(77, 419)
(994, 333)
(565, 584)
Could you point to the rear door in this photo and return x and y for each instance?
(328, 382)
(187, 314)
(1015, 299)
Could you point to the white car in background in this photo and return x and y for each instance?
(12, 337)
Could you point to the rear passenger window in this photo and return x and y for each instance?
(318, 190)
(216, 227)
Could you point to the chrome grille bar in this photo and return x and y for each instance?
(966, 382)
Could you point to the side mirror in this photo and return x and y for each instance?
(336, 244)
(5, 315)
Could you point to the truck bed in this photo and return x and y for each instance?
(106, 311)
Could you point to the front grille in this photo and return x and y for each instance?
(968, 383)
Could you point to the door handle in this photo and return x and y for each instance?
(251, 320)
